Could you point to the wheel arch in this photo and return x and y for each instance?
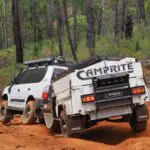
(4, 97)
(59, 109)
(30, 98)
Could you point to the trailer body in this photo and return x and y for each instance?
(101, 91)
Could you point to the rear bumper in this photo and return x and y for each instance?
(110, 112)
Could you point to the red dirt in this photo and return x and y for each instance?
(104, 136)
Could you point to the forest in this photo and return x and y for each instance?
(75, 29)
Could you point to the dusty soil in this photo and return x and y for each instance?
(104, 136)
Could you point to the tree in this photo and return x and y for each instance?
(117, 26)
(5, 24)
(35, 21)
(60, 26)
(72, 44)
(75, 30)
(91, 27)
(103, 7)
(140, 8)
(50, 18)
(129, 27)
(17, 31)
(124, 16)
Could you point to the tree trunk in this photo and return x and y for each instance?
(75, 30)
(140, 7)
(72, 45)
(124, 16)
(60, 27)
(116, 27)
(49, 19)
(5, 24)
(91, 27)
(99, 21)
(17, 31)
(35, 21)
(103, 7)
(129, 27)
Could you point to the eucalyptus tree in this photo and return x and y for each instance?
(117, 25)
(5, 23)
(140, 8)
(91, 26)
(70, 39)
(17, 31)
(124, 16)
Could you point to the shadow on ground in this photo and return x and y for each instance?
(108, 133)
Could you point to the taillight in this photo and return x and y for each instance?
(88, 98)
(45, 96)
(45, 93)
(138, 90)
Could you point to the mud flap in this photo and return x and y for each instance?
(141, 113)
(49, 120)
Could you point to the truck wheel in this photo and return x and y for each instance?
(138, 126)
(64, 124)
(5, 116)
(29, 113)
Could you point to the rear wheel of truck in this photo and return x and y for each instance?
(29, 113)
(64, 124)
(5, 115)
(138, 126)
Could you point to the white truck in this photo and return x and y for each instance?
(98, 90)
(29, 89)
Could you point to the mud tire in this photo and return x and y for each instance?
(29, 113)
(64, 124)
(5, 115)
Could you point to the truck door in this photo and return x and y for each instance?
(15, 91)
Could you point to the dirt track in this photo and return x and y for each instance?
(104, 136)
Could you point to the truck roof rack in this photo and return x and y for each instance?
(60, 61)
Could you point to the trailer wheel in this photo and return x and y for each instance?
(64, 124)
(138, 126)
(29, 113)
(5, 115)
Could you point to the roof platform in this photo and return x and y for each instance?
(59, 61)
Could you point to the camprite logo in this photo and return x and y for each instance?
(93, 72)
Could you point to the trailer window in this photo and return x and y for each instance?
(32, 76)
